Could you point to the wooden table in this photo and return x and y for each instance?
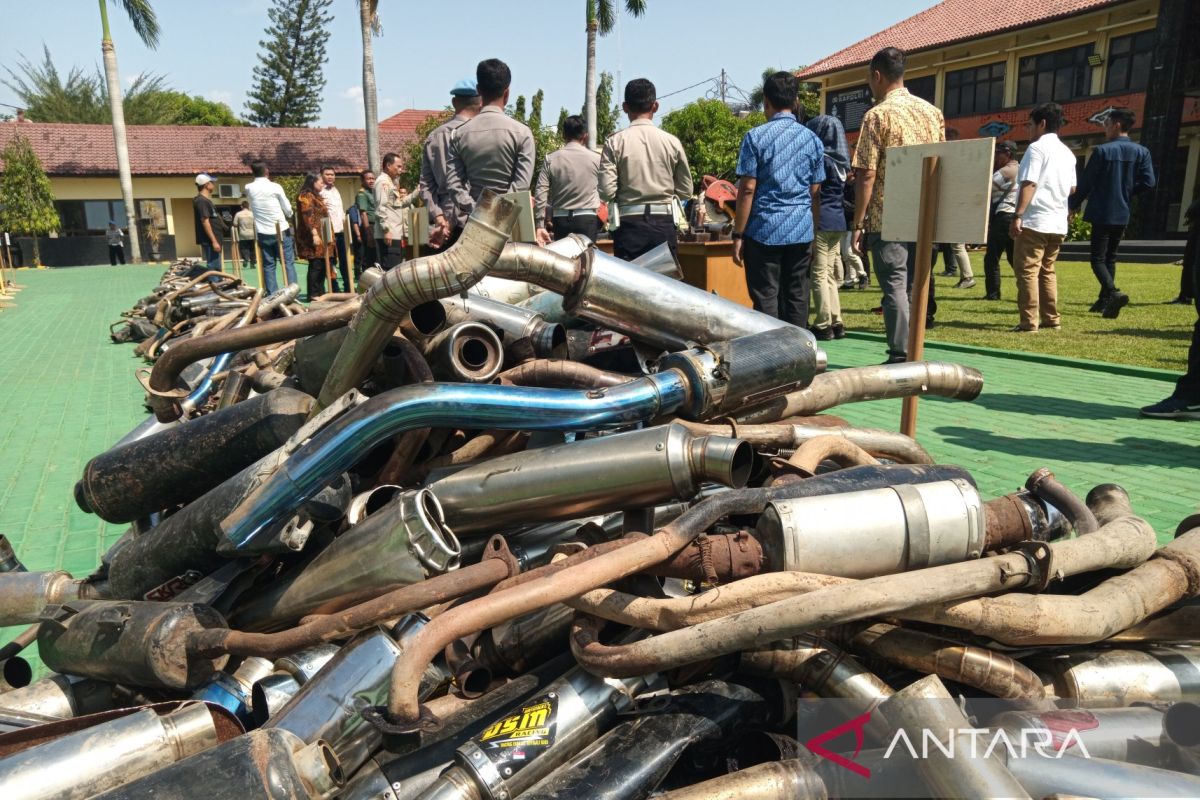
(708, 266)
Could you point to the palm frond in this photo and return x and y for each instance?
(606, 16)
(144, 20)
(636, 8)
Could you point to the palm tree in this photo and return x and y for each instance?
(369, 21)
(145, 25)
(601, 16)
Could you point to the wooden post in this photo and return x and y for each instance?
(279, 247)
(413, 224)
(923, 264)
(258, 259)
(237, 253)
(4, 257)
(353, 262)
(326, 243)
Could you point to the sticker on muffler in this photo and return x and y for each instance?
(519, 738)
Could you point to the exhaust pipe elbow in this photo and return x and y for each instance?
(469, 352)
(537, 265)
(24, 595)
(420, 281)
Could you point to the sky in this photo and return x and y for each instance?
(210, 48)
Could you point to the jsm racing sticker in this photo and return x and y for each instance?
(522, 736)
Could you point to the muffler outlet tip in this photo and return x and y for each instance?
(972, 384)
(726, 461)
(1107, 494)
(821, 361)
(433, 543)
(16, 672)
(473, 680)
(428, 318)
(367, 503)
(81, 500)
(1181, 724)
(319, 767)
(271, 694)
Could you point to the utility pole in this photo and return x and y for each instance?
(723, 84)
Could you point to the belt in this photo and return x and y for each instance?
(646, 208)
(581, 212)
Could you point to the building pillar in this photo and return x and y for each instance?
(1178, 25)
(1189, 179)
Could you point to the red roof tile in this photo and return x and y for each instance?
(953, 21)
(187, 149)
(408, 119)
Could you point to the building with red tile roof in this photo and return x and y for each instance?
(986, 64)
(408, 120)
(164, 159)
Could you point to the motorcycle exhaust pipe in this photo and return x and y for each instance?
(536, 738)
(403, 543)
(469, 352)
(178, 465)
(232, 690)
(875, 532)
(60, 697)
(1116, 678)
(8, 557)
(102, 757)
(549, 339)
(329, 707)
(567, 481)
(184, 547)
(1181, 728)
(273, 692)
(25, 595)
(132, 643)
(1121, 734)
(267, 764)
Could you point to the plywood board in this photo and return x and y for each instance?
(964, 203)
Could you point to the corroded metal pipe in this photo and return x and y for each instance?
(880, 382)
(24, 595)
(776, 780)
(415, 282)
(879, 443)
(165, 391)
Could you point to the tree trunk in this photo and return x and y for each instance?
(113, 78)
(37, 254)
(591, 83)
(370, 107)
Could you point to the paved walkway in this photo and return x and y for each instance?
(67, 393)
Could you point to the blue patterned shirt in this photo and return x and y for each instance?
(786, 159)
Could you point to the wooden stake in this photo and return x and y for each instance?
(258, 258)
(279, 246)
(237, 254)
(349, 229)
(4, 258)
(923, 264)
(326, 242)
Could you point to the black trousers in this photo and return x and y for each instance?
(641, 233)
(1188, 386)
(584, 224)
(316, 277)
(778, 278)
(340, 262)
(246, 253)
(116, 254)
(998, 242)
(931, 306)
(364, 255)
(1187, 275)
(1105, 241)
(389, 255)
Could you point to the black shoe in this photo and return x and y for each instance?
(1098, 306)
(930, 323)
(895, 360)
(864, 282)
(1116, 301)
(1179, 301)
(991, 297)
(1172, 408)
(839, 331)
(822, 334)
(949, 274)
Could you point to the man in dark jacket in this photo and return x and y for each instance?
(1117, 170)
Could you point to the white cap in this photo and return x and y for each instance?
(204, 178)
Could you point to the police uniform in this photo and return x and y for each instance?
(435, 160)
(566, 192)
(643, 169)
(489, 151)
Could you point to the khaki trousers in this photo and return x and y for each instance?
(826, 305)
(1034, 254)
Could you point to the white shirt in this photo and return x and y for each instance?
(1051, 165)
(334, 207)
(269, 205)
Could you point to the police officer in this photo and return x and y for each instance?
(435, 156)
(490, 151)
(566, 187)
(643, 169)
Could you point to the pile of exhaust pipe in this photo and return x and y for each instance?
(536, 522)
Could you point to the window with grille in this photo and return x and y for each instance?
(1060, 75)
(1129, 62)
(976, 90)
